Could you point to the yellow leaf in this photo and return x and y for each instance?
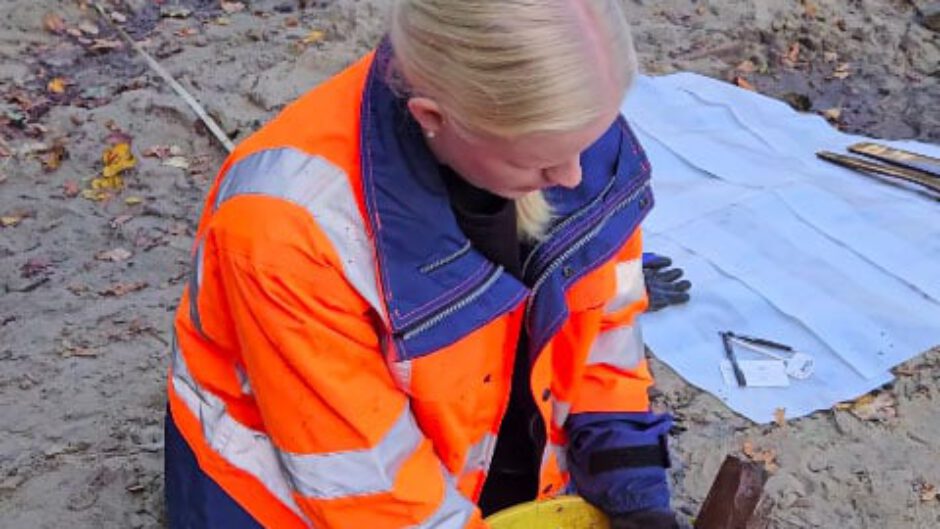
(118, 159)
(11, 221)
(314, 37)
(57, 85)
(115, 183)
(95, 195)
(133, 201)
(780, 417)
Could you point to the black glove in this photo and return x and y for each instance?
(662, 283)
(646, 520)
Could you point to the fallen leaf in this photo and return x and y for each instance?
(904, 371)
(120, 220)
(223, 21)
(178, 162)
(118, 17)
(830, 56)
(70, 188)
(3, 178)
(232, 7)
(842, 71)
(742, 82)
(747, 66)
(186, 32)
(780, 417)
(121, 289)
(810, 9)
(53, 23)
(88, 27)
(880, 407)
(291, 22)
(793, 53)
(106, 44)
(175, 12)
(133, 201)
(768, 457)
(11, 221)
(157, 151)
(35, 266)
(77, 288)
(833, 114)
(800, 102)
(117, 159)
(57, 85)
(115, 256)
(929, 492)
(314, 37)
(52, 159)
(95, 195)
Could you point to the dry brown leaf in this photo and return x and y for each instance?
(117, 159)
(120, 220)
(53, 157)
(880, 407)
(780, 417)
(115, 256)
(3, 178)
(768, 457)
(232, 7)
(830, 56)
(314, 37)
(88, 27)
(810, 9)
(186, 32)
(179, 162)
(106, 44)
(833, 114)
(747, 66)
(742, 82)
(121, 289)
(70, 188)
(53, 23)
(291, 22)
(10, 221)
(929, 492)
(793, 52)
(842, 71)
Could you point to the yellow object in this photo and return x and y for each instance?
(566, 512)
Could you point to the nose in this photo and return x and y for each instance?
(567, 174)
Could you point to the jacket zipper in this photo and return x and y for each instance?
(481, 287)
(583, 240)
(472, 294)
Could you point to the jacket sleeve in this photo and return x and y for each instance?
(617, 454)
(345, 436)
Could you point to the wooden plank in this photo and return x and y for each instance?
(732, 502)
(899, 157)
(900, 173)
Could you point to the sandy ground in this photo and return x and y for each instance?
(89, 278)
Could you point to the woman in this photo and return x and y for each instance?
(414, 292)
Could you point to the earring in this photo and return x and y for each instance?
(430, 135)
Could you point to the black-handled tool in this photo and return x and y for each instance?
(729, 353)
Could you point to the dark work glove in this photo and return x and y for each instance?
(646, 520)
(662, 282)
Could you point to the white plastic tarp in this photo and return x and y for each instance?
(781, 245)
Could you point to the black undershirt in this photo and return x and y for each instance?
(489, 221)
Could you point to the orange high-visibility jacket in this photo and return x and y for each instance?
(343, 356)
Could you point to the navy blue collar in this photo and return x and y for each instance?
(429, 272)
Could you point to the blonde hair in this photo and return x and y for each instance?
(514, 67)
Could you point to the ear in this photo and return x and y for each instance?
(427, 113)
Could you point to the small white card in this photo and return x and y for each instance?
(758, 373)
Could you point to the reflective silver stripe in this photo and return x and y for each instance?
(561, 455)
(480, 455)
(620, 347)
(321, 188)
(244, 448)
(630, 285)
(243, 380)
(560, 412)
(195, 283)
(401, 373)
(355, 472)
(454, 513)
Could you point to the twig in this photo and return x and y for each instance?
(210, 123)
